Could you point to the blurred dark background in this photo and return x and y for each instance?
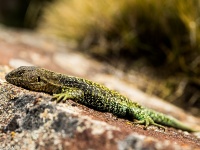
(21, 13)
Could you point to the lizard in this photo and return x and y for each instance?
(90, 94)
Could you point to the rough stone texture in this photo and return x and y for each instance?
(30, 120)
(18, 48)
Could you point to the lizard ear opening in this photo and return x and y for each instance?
(38, 79)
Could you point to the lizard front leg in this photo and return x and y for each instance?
(69, 93)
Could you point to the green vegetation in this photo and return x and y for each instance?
(165, 34)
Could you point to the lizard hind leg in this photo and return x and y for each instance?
(148, 121)
(69, 93)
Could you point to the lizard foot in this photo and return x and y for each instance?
(69, 93)
(148, 121)
(60, 97)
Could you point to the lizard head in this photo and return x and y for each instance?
(32, 78)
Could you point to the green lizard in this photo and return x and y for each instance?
(89, 93)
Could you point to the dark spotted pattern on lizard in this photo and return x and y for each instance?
(88, 93)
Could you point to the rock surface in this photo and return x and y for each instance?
(31, 120)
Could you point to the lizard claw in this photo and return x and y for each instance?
(59, 97)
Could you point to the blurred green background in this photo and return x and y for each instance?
(161, 35)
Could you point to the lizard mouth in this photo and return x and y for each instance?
(12, 76)
(9, 77)
(13, 80)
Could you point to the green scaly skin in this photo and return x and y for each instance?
(88, 93)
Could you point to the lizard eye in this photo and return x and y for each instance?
(38, 79)
(20, 73)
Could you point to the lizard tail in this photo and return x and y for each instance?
(169, 121)
(151, 117)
